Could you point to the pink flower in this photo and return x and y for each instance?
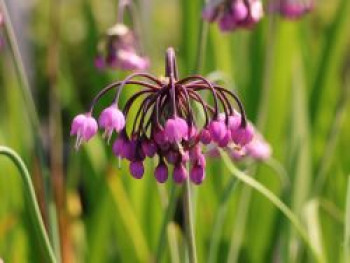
(258, 148)
(242, 136)
(111, 119)
(175, 129)
(217, 130)
(84, 127)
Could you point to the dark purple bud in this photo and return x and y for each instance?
(159, 136)
(149, 148)
(161, 172)
(172, 157)
(197, 174)
(205, 136)
(131, 150)
(136, 169)
(120, 147)
(180, 173)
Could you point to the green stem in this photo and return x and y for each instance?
(20, 67)
(265, 93)
(167, 217)
(32, 202)
(219, 220)
(201, 48)
(189, 222)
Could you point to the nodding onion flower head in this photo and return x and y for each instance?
(292, 9)
(233, 14)
(165, 126)
(119, 50)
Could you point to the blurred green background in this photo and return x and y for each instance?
(293, 77)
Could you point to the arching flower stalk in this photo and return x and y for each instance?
(120, 49)
(233, 14)
(292, 9)
(165, 125)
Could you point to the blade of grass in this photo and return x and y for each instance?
(273, 199)
(169, 213)
(32, 202)
(312, 219)
(219, 220)
(334, 42)
(128, 217)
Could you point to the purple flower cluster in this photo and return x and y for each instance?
(119, 50)
(233, 14)
(166, 127)
(292, 9)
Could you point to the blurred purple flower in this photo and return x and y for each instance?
(119, 50)
(292, 9)
(233, 14)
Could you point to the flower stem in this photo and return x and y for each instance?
(189, 223)
(171, 205)
(32, 202)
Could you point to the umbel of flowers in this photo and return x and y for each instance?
(165, 126)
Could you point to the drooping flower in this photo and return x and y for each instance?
(84, 127)
(165, 127)
(111, 119)
(233, 14)
(136, 169)
(161, 172)
(258, 148)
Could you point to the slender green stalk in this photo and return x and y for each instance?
(347, 225)
(328, 153)
(219, 220)
(167, 217)
(202, 47)
(50, 207)
(32, 202)
(30, 105)
(265, 91)
(189, 222)
(275, 200)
